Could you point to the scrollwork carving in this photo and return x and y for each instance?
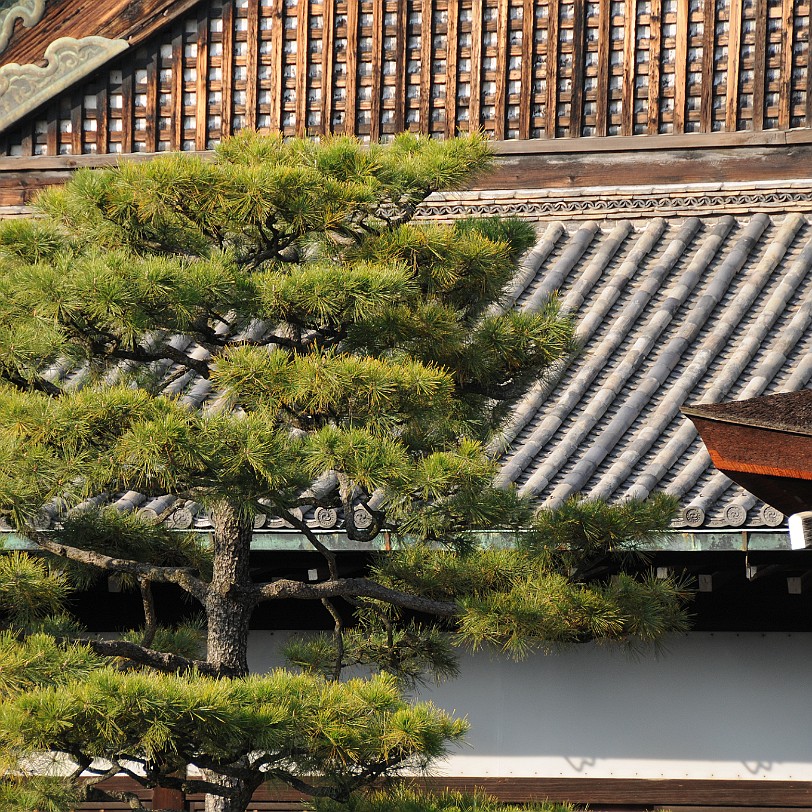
(23, 88)
(29, 11)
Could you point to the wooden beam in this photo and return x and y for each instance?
(102, 119)
(76, 122)
(302, 64)
(578, 68)
(227, 70)
(604, 68)
(152, 111)
(351, 77)
(426, 36)
(378, 9)
(654, 46)
(452, 67)
(52, 134)
(127, 107)
(202, 81)
(475, 99)
(528, 52)
(252, 65)
(733, 59)
(176, 91)
(759, 63)
(551, 65)
(327, 57)
(277, 63)
(785, 76)
(502, 45)
(708, 67)
(402, 20)
(629, 67)
(681, 65)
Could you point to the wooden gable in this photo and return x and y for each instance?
(187, 76)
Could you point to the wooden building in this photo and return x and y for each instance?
(664, 150)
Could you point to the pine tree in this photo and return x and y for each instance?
(353, 359)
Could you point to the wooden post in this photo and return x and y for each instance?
(708, 67)
(681, 66)
(551, 110)
(604, 68)
(760, 64)
(654, 45)
(578, 69)
(733, 54)
(528, 51)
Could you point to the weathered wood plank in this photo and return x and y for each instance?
(351, 77)
(655, 43)
(102, 118)
(152, 111)
(302, 64)
(76, 119)
(202, 81)
(551, 69)
(681, 66)
(176, 91)
(578, 68)
(475, 99)
(528, 52)
(402, 18)
(502, 43)
(426, 36)
(227, 70)
(127, 108)
(277, 64)
(759, 64)
(604, 69)
(378, 9)
(452, 68)
(733, 59)
(252, 65)
(52, 133)
(629, 67)
(785, 76)
(327, 60)
(708, 46)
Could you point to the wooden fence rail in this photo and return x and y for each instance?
(518, 69)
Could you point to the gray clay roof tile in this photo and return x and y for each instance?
(669, 311)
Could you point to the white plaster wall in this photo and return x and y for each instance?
(728, 706)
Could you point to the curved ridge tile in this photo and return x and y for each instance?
(680, 388)
(590, 276)
(675, 448)
(529, 267)
(554, 415)
(574, 250)
(629, 364)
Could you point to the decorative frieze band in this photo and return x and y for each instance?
(23, 88)
(618, 202)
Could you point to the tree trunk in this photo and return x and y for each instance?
(228, 613)
(228, 609)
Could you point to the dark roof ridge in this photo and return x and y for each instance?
(784, 411)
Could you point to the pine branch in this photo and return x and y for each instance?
(180, 576)
(159, 660)
(150, 618)
(352, 588)
(329, 556)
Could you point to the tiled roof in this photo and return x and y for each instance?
(670, 310)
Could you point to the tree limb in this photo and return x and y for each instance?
(180, 576)
(160, 660)
(352, 588)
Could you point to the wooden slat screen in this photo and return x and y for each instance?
(517, 69)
